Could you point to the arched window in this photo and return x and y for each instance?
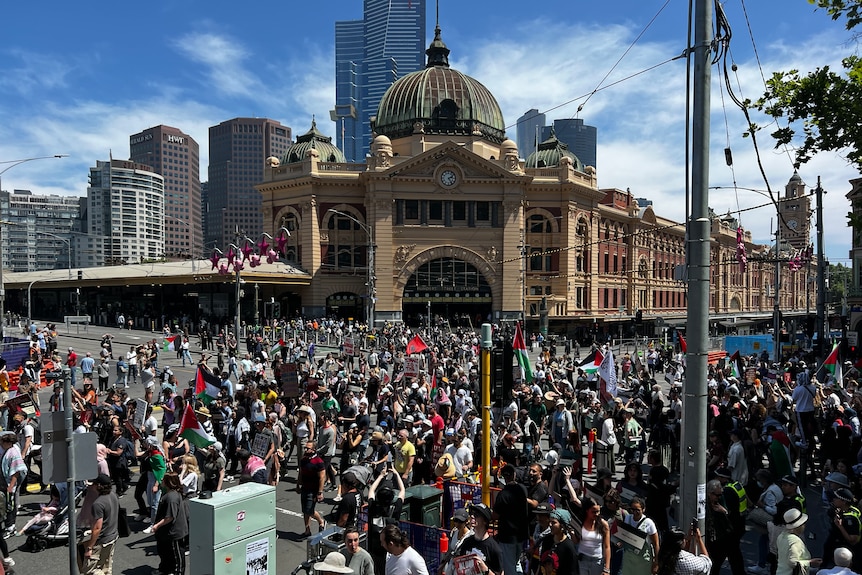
(348, 243)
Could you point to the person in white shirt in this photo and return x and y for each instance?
(401, 559)
(843, 559)
(736, 458)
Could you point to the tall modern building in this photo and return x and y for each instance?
(174, 155)
(125, 213)
(529, 127)
(370, 54)
(238, 151)
(580, 138)
(39, 232)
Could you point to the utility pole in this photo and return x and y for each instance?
(693, 446)
(776, 305)
(821, 278)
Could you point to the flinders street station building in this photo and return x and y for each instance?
(444, 217)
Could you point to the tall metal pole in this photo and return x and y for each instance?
(372, 290)
(70, 475)
(487, 344)
(693, 448)
(776, 305)
(821, 278)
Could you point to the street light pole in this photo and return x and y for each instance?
(12, 164)
(371, 278)
(68, 243)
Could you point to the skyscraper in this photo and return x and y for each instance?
(238, 152)
(42, 225)
(580, 138)
(370, 54)
(125, 212)
(526, 131)
(175, 156)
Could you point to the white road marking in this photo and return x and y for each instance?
(288, 512)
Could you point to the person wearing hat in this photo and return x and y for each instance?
(357, 559)
(480, 543)
(459, 532)
(96, 554)
(333, 563)
(213, 467)
(539, 537)
(792, 552)
(845, 529)
(561, 423)
(792, 498)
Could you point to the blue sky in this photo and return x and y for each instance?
(79, 80)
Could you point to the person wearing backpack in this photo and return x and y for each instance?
(29, 441)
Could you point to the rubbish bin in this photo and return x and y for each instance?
(425, 502)
(601, 455)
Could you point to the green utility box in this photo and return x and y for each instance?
(233, 532)
(425, 503)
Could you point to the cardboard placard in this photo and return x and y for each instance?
(21, 403)
(411, 367)
(289, 380)
(260, 445)
(348, 346)
(140, 413)
(631, 536)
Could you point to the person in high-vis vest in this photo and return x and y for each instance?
(735, 502)
(845, 530)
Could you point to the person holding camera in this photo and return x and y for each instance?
(683, 554)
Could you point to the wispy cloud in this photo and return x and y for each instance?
(28, 72)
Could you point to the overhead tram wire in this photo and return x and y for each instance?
(599, 86)
(620, 59)
(785, 147)
(728, 154)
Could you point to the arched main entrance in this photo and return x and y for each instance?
(450, 289)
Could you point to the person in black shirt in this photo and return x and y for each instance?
(384, 508)
(171, 526)
(559, 549)
(513, 518)
(350, 504)
(489, 557)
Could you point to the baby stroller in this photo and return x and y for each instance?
(48, 528)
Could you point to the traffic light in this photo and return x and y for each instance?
(276, 310)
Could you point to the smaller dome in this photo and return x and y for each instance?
(382, 140)
(313, 139)
(550, 152)
(507, 145)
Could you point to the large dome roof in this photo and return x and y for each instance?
(297, 151)
(551, 152)
(439, 100)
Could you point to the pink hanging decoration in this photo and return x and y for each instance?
(231, 253)
(223, 269)
(214, 259)
(237, 264)
(281, 242)
(262, 245)
(741, 255)
(247, 250)
(271, 257)
(254, 260)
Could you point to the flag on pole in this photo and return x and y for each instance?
(416, 345)
(168, 344)
(277, 347)
(592, 362)
(520, 350)
(191, 429)
(832, 365)
(608, 372)
(682, 345)
(207, 385)
(434, 386)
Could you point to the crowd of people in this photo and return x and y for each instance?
(360, 428)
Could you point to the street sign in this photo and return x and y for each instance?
(55, 466)
(852, 338)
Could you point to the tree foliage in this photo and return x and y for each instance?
(827, 104)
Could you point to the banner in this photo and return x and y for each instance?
(289, 380)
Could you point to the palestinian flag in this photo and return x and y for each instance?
(416, 345)
(207, 385)
(191, 429)
(636, 361)
(520, 350)
(433, 387)
(592, 362)
(168, 344)
(832, 365)
(277, 347)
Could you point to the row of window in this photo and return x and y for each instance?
(447, 213)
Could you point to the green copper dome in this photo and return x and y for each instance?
(312, 139)
(550, 152)
(439, 100)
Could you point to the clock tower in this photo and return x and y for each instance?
(794, 210)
